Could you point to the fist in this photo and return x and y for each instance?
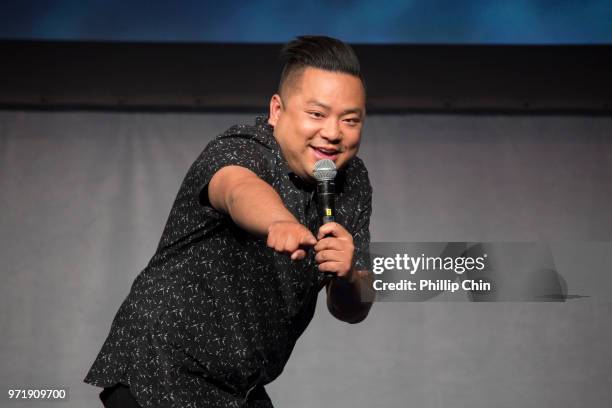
(290, 237)
(335, 249)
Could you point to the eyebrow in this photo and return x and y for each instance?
(326, 107)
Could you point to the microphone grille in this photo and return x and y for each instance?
(324, 169)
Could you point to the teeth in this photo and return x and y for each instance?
(327, 151)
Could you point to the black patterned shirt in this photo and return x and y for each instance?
(215, 314)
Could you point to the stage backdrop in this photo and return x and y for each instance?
(84, 197)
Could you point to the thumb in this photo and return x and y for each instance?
(308, 239)
(327, 229)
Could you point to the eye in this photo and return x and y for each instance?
(352, 121)
(316, 114)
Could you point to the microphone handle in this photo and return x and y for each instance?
(325, 196)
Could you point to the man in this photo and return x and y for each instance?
(215, 314)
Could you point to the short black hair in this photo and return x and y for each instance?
(319, 52)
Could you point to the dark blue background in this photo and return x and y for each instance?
(392, 21)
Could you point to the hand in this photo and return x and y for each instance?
(290, 237)
(335, 250)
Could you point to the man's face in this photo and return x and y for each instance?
(320, 116)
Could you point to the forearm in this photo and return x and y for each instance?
(251, 202)
(350, 300)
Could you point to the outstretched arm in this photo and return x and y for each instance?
(257, 208)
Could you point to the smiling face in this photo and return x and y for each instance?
(320, 116)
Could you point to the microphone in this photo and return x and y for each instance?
(324, 173)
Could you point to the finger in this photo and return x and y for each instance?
(336, 244)
(298, 254)
(329, 256)
(332, 266)
(308, 239)
(279, 244)
(329, 243)
(272, 236)
(338, 268)
(333, 229)
(291, 243)
(271, 240)
(326, 229)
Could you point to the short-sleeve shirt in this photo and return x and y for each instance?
(216, 313)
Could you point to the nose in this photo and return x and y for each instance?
(331, 131)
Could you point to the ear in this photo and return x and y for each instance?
(276, 106)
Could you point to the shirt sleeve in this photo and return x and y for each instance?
(238, 150)
(192, 216)
(361, 237)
